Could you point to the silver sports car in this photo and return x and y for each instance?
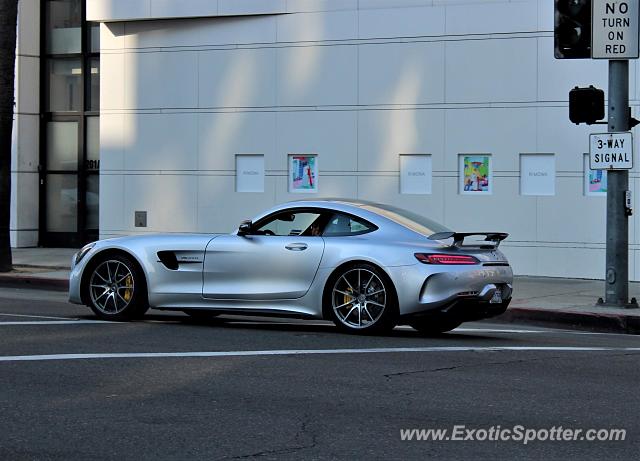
(365, 266)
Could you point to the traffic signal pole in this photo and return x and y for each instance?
(605, 29)
(617, 253)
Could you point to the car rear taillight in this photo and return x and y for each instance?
(446, 259)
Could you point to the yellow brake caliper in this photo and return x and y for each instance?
(348, 297)
(128, 292)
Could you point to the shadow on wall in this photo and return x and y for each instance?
(306, 68)
(161, 147)
(236, 89)
(402, 133)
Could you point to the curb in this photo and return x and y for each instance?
(42, 267)
(588, 321)
(33, 282)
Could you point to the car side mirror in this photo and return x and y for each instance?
(244, 228)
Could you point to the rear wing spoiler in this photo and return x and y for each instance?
(458, 237)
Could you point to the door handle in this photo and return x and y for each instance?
(296, 246)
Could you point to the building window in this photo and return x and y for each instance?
(64, 85)
(63, 26)
(70, 154)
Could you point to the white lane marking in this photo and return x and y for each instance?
(408, 328)
(548, 331)
(491, 330)
(514, 331)
(498, 330)
(155, 355)
(161, 322)
(401, 327)
(55, 322)
(72, 321)
(34, 316)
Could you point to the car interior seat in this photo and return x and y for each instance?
(338, 225)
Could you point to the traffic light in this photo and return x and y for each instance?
(572, 30)
(586, 105)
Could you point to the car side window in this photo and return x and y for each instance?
(291, 224)
(340, 225)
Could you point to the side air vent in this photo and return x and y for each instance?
(168, 258)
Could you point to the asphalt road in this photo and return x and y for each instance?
(170, 388)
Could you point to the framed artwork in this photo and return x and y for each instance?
(476, 176)
(415, 174)
(249, 173)
(537, 174)
(595, 181)
(303, 173)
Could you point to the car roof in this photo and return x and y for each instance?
(335, 204)
(385, 217)
(378, 213)
(340, 201)
(362, 208)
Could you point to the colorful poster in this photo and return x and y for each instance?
(595, 180)
(476, 176)
(303, 173)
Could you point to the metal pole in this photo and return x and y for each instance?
(617, 275)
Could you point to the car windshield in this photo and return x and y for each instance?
(413, 221)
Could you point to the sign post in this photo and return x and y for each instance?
(617, 253)
(615, 37)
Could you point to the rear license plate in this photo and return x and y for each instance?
(497, 297)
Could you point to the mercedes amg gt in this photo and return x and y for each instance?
(365, 266)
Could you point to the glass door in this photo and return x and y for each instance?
(70, 127)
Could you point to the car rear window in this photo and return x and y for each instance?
(413, 221)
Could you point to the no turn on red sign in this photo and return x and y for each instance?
(614, 33)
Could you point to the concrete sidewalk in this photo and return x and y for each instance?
(45, 268)
(545, 301)
(569, 303)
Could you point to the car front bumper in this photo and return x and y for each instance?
(75, 278)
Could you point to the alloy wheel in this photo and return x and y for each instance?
(359, 298)
(111, 287)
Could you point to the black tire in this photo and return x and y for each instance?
(200, 314)
(371, 308)
(435, 326)
(116, 289)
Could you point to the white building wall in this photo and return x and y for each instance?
(358, 83)
(25, 146)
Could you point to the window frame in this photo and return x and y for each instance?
(325, 215)
(269, 218)
(370, 226)
(82, 234)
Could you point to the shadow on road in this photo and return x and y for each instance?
(301, 326)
